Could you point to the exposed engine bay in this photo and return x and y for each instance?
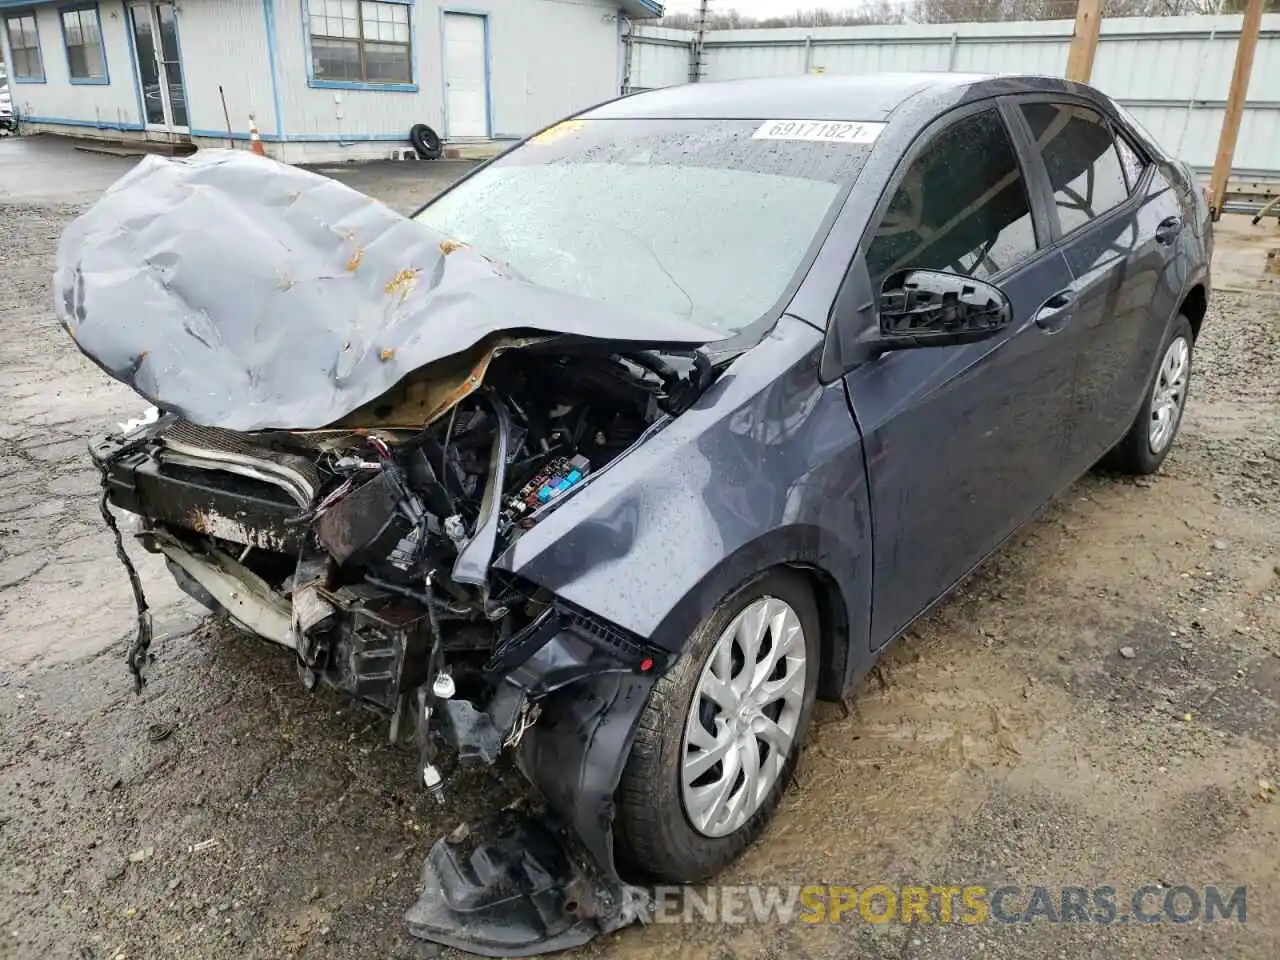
(368, 551)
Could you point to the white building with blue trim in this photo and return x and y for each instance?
(323, 79)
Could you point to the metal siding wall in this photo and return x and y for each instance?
(881, 58)
(1038, 56)
(1157, 67)
(551, 58)
(736, 62)
(224, 42)
(104, 105)
(1260, 134)
(658, 64)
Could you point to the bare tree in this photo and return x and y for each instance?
(877, 11)
(987, 11)
(957, 11)
(870, 12)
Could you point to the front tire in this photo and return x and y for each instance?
(718, 741)
(1151, 437)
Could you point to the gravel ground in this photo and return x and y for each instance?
(1006, 739)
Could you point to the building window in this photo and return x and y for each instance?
(86, 57)
(360, 41)
(24, 47)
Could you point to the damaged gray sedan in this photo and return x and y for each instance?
(640, 438)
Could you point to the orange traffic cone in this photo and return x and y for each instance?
(255, 141)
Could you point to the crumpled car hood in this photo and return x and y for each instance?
(246, 294)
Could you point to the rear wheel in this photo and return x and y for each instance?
(720, 736)
(1150, 438)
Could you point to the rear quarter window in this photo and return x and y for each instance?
(1133, 163)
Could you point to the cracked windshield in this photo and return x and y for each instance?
(699, 219)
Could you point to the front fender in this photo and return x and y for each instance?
(765, 468)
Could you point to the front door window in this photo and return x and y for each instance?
(962, 206)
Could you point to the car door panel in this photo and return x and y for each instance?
(1104, 294)
(1160, 272)
(962, 445)
(1109, 213)
(1123, 275)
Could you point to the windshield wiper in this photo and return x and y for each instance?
(680, 387)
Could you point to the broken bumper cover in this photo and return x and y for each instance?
(517, 886)
(518, 893)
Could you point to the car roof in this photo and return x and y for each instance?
(867, 97)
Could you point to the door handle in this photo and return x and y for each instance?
(1168, 230)
(1055, 312)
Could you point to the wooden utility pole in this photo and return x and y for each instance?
(1084, 41)
(1235, 104)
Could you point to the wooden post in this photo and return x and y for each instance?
(1235, 105)
(1084, 41)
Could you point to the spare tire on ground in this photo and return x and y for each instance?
(425, 141)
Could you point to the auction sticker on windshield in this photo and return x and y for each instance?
(819, 131)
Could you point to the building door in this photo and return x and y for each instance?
(466, 75)
(155, 44)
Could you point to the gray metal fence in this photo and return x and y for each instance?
(1172, 72)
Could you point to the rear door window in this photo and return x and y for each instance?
(961, 206)
(1081, 158)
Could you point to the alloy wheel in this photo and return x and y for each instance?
(743, 717)
(1169, 394)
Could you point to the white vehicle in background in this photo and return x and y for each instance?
(6, 102)
(6, 106)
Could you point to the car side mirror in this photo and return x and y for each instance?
(930, 308)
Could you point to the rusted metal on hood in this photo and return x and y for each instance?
(246, 294)
(426, 395)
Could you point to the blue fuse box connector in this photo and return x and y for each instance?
(559, 476)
